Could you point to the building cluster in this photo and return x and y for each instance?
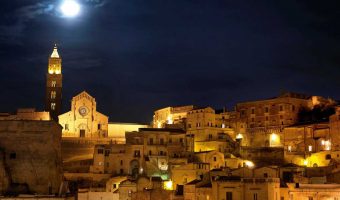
(283, 148)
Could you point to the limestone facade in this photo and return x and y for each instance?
(31, 156)
(83, 120)
(26, 114)
(149, 151)
(170, 115)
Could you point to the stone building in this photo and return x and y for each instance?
(30, 157)
(83, 120)
(264, 117)
(26, 114)
(206, 134)
(256, 187)
(117, 130)
(301, 141)
(311, 191)
(171, 116)
(334, 125)
(150, 151)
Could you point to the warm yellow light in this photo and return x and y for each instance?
(310, 148)
(274, 140)
(169, 119)
(239, 136)
(50, 71)
(168, 185)
(249, 164)
(159, 125)
(274, 137)
(290, 148)
(326, 144)
(305, 162)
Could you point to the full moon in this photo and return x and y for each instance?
(70, 8)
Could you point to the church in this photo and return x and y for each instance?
(83, 120)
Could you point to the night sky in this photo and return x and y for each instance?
(135, 56)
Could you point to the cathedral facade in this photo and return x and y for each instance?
(83, 120)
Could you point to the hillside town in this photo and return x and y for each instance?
(280, 148)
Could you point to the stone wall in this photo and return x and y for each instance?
(32, 156)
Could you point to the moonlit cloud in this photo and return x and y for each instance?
(11, 33)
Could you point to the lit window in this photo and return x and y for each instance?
(53, 94)
(289, 148)
(52, 106)
(310, 148)
(53, 83)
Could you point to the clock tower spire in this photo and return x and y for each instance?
(54, 79)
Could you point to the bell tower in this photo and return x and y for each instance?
(54, 79)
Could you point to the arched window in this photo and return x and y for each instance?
(328, 156)
(53, 94)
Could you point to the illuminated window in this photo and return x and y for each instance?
(223, 125)
(310, 148)
(52, 106)
(53, 83)
(289, 148)
(53, 94)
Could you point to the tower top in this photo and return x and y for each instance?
(55, 53)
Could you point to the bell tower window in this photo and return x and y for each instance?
(53, 83)
(52, 106)
(53, 94)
